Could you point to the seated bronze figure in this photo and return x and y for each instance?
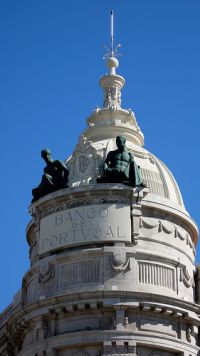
(120, 167)
(55, 176)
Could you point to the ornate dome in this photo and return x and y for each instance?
(99, 138)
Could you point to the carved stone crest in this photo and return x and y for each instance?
(85, 161)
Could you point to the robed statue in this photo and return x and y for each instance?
(120, 167)
(55, 176)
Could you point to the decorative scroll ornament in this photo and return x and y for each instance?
(119, 262)
(46, 272)
(185, 277)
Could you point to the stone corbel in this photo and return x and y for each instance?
(120, 319)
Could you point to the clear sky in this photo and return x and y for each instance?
(50, 65)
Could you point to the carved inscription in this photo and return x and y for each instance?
(82, 225)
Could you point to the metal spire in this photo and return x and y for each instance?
(112, 52)
(112, 32)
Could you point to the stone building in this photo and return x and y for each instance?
(111, 265)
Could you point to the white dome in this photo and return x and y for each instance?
(157, 176)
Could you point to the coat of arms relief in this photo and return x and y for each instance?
(85, 162)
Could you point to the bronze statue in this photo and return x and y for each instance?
(55, 176)
(120, 167)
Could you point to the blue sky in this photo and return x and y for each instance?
(50, 65)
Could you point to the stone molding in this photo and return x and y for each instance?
(57, 305)
(35, 317)
(83, 202)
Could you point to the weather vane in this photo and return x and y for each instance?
(112, 52)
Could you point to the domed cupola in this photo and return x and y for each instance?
(104, 125)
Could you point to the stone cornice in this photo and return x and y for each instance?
(103, 299)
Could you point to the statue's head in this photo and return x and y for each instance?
(46, 155)
(120, 142)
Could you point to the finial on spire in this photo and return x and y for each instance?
(112, 52)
